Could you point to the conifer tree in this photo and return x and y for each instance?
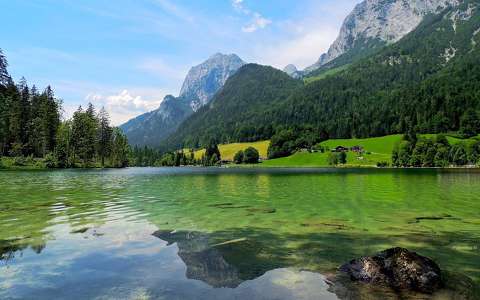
(104, 135)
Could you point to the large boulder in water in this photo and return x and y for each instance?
(397, 268)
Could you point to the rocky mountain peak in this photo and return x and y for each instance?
(200, 85)
(292, 71)
(204, 80)
(386, 21)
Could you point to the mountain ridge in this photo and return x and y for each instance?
(374, 23)
(199, 86)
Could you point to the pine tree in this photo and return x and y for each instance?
(77, 139)
(104, 135)
(51, 119)
(37, 136)
(4, 76)
(24, 115)
(120, 149)
(14, 139)
(62, 149)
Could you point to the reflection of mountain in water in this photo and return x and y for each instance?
(215, 262)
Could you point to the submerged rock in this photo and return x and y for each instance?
(265, 210)
(397, 268)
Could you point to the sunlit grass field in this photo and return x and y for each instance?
(378, 149)
(227, 151)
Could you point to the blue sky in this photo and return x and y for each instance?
(127, 55)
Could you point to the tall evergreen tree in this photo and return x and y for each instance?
(14, 104)
(104, 135)
(24, 115)
(63, 151)
(51, 119)
(120, 149)
(4, 76)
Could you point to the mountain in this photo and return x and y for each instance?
(426, 81)
(152, 127)
(247, 95)
(204, 80)
(200, 85)
(376, 23)
(292, 71)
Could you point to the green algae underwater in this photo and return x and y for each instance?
(211, 233)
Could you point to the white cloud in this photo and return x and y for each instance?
(303, 37)
(238, 5)
(303, 49)
(123, 106)
(257, 20)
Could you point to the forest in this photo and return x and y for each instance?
(33, 134)
(415, 151)
(147, 157)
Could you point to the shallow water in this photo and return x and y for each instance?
(193, 233)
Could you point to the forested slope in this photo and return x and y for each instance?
(237, 111)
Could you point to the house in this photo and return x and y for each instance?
(340, 149)
(357, 149)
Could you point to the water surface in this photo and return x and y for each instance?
(193, 233)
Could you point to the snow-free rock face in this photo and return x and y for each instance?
(385, 21)
(290, 69)
(204, 80)
(200, 85)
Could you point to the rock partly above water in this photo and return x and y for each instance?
(397, 268)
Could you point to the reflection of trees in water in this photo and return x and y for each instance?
(9, 249)
(227, 258)
(31, 203)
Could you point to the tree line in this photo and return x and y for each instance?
(414, 151)
(32, 132)
(150, 157)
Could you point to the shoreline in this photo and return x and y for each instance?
(240, 167)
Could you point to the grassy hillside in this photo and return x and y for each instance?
(227, 151)
(324, 74)
(377, 149)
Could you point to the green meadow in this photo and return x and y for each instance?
(227, 151)
(378, 149)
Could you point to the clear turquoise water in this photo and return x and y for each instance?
(224, 233)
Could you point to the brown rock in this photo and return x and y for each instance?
(397, 268)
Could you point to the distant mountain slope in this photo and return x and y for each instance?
(375, 23)
(427, 80)
(200, 85)
(204, 80)
(152, 127)
(246, 96)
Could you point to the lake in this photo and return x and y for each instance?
(196, 233)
